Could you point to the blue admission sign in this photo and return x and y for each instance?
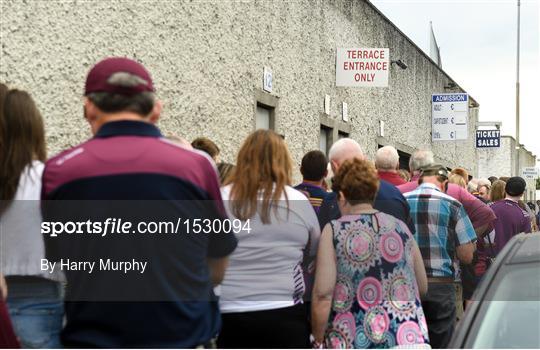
(449, 97)
(488, 138)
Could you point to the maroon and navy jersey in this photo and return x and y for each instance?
(129, 170)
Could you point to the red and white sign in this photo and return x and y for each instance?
(364, 67)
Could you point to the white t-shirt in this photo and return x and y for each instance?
(22, 245)
(265, 271)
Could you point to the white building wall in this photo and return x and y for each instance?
(497, 161)
(502, 162)
(207, 60)
(527, 159)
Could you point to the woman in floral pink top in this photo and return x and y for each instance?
(369, 274)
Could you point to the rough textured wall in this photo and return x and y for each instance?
(207, 59)
(502, 162)
(526, 159)
(497, 161)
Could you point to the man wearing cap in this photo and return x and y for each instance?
(129, 170)
(479, 213)
(443, 231)
(511, 219)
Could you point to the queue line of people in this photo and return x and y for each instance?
(366, 260)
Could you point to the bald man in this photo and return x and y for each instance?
(389, 199)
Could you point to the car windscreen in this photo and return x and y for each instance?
(510, 315)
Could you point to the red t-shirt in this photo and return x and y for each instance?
(391, 177)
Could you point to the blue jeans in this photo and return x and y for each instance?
(36, 308)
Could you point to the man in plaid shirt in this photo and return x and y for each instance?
(443, 231)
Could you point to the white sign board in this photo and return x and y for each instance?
(345, 112)
(327, 104)
(529, 173)
(362, 67)
(449, 117)
(267, 79)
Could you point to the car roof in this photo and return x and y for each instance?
(527, 249)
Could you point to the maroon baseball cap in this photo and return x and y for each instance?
(106, 76)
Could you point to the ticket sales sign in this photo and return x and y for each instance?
(488, 138)
(449, 117)
(362, 67)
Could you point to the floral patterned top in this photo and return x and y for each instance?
(376, 303)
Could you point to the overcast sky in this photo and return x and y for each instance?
(478, 50)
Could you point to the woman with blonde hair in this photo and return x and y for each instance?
(404, 174)
(261, 294)
(458, 180)
(461, 172)
(370, 273)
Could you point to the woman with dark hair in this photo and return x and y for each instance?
(208, 146)
(261, 294)
(7, 335)
(34, 301)
(224, 170)
(369, 274)
(3, 92)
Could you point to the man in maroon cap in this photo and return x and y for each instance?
(165, 298)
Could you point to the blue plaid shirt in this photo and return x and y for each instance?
(441, 224)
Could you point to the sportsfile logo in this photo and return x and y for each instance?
(121, 226)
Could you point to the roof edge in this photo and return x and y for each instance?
(524, 148)
(475, 103)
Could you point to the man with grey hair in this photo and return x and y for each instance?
(389, 200)
(472, 186)
(484, 188)
(387, 164)
(419, 159)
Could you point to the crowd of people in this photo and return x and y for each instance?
(368, 257)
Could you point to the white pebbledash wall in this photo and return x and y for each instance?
(207, 59)
(502, 162)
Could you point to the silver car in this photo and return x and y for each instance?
(506, 308)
